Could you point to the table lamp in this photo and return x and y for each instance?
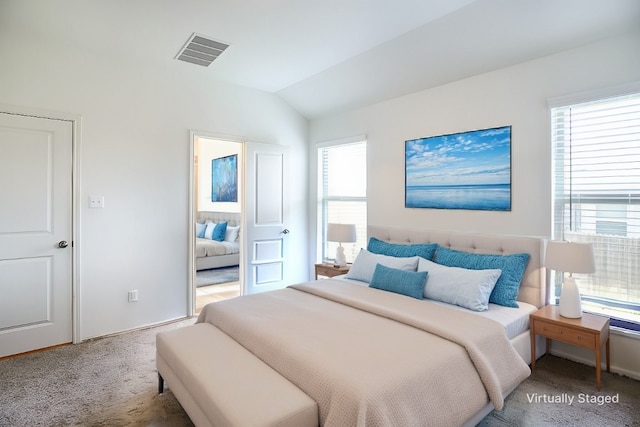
(341, 233)
(570, 257)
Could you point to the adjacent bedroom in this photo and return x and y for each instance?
(217, 219)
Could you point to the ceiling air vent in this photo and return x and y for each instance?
(201, 50)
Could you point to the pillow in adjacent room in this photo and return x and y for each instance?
(219, 231)
(409, 283)
(200, 229)
(365, 264)
(424, 250)
(459, 286)
(505, 292)
(208, 232)
(231, 235)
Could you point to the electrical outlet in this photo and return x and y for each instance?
(133, 296)
(96, 202)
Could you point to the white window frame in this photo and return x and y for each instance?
(593, 204)
(326, 250)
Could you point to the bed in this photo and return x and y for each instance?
(369, 357)
(212, 253)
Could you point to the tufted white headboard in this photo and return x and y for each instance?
(534, 286)
(232, 218)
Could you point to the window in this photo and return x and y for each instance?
(343, 194)
(596, 153)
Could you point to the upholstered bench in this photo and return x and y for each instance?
(195, 360)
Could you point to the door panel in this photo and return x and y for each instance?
(35, 214)
(266, 215)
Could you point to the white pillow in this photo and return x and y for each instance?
(365, 264)
(459, 286)
(208, 232)
(231, 235)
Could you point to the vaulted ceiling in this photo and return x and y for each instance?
(326, 56)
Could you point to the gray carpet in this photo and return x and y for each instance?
(113, 382)
(216, 276)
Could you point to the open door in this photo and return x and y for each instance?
(35, 233)
(266, 215)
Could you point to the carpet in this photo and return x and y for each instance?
(112, 381)
(216, 276)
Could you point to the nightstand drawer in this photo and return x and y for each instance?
(567, 335)
(326, 271)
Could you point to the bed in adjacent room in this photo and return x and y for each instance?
(371, 350)
(217, 240)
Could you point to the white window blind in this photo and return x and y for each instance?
(344, 194)
(596, 153)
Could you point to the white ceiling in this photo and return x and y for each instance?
(327, 56)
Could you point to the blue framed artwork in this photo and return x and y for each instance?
(467, 170)
(224, 179)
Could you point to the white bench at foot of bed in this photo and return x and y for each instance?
(195, 361)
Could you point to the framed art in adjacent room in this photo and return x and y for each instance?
(466, 170)
(224, 179)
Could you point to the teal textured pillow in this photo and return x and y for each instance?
(424, 250)
(505, 292)
(200, 229)
(409, 283)
(219, 231)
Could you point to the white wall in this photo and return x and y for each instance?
(514, 96)
(134, 151)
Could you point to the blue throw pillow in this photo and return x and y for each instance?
(200, 229)
(424, 250)
(505, 292)
(219, 231)
(409, 283)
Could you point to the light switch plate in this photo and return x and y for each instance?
(96, 202)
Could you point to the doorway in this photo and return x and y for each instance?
(216, 220)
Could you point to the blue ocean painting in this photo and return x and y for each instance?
(224, 179)
(468, 170)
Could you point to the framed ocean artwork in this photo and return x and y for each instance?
(466, 170)
(224, 179)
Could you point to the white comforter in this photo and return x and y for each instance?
(208, 247)
(370, 357)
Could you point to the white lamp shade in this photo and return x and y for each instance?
(341, 233)
(570, 257)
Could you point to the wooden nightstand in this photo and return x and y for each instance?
(329, 270)
(589, 331)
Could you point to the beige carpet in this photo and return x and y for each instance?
(113, 382)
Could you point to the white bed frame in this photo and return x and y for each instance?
(205, 263)
(535, 284)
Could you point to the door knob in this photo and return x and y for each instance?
(285, 231)
(63, 244)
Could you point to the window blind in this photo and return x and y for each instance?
(344, 191)
(596, 175)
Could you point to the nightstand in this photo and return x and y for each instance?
(589, 331)
(330, 270)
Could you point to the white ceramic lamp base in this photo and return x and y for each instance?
(570, 304)
(341, 259)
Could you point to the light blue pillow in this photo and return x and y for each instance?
(200, 229)
(424, 250)
(365, 264)
(409, 283)
(505, 292)
(459, 286)
(219, 231)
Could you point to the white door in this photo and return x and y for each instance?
(35, 233)
(266, 210)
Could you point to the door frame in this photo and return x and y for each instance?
(191, 274)
(76, 124)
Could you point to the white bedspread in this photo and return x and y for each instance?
(208, 247)
(366, 357)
